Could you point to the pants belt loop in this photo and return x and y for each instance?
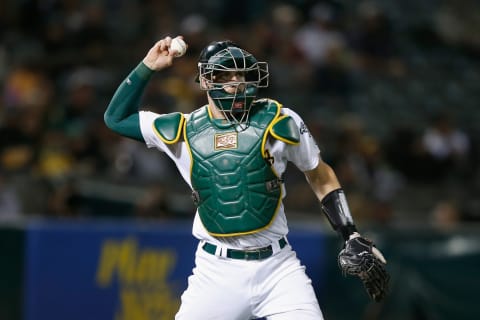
(221, 251)
(218, 251)
(275, 247)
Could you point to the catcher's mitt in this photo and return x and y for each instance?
(360, 258)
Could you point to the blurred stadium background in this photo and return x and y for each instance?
(94, 226)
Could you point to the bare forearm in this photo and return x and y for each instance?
(322, 180)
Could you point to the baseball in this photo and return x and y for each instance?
(179, 46)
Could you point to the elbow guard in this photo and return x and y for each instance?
(335, 207)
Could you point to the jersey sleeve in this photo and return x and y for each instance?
(121, 115)
(176, 151)
(152, 140)
(306, 154)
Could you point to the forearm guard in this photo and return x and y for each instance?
(335, 207)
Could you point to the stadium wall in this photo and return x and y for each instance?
(125, 270)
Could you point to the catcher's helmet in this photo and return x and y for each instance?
(225, 56)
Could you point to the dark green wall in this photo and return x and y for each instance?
(11, 272)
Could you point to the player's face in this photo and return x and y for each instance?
(233, 81)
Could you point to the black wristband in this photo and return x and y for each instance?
(335, 207)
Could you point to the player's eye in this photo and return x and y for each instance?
(229, 76)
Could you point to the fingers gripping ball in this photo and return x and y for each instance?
(360, 258)
(179, 46)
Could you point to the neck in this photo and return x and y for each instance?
(216, 114)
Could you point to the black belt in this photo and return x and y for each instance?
(251, 254)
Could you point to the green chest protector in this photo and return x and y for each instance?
(234, 184)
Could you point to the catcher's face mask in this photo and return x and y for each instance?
(232, 77)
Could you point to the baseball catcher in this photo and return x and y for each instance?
(233, 152)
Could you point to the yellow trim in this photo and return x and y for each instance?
(277, 136)
(187, 144)
(210, 115)
(177, 135)
(265, 135)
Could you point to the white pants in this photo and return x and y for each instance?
(276, 288)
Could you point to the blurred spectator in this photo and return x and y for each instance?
(373, 41)
(447, 147)
(55, 159)
(454, 21)
(153, 204)
(19, 144)
(319, 35)
(27, 88)
(10, 204)
(446, 215)
(133, 162)
(194, 28)
(322, 43)
(404, 152)
(65, 200)
(437, 152)
(289, 69)
(363, 170)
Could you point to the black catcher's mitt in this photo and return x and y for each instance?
(361, 258)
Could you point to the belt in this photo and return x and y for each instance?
(250, 254)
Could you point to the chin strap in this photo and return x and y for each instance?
(335, 207)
